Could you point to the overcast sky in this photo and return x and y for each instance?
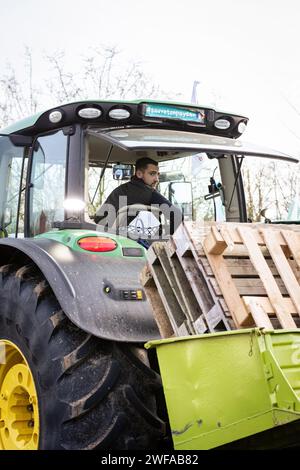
(244, 53)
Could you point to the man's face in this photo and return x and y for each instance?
(150, 175)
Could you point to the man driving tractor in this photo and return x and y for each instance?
(141, 189)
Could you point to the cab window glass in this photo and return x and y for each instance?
(184, 181)
(98, 193)
(184, 175)
(197, 203)
(47, 191)
(271, 189)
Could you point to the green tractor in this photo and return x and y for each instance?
(74, 373)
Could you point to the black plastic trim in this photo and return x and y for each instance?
(240, 190)
(71, 117)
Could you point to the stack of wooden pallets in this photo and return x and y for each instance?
(213, 277)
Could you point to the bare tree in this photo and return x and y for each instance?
(18, 97)
(12, 97)
(103, 74)
(63, 85)
(106, 76)
(32, 90)
(271, 185)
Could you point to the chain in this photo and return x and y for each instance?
(251, 343)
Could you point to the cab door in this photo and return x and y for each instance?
(46, 182)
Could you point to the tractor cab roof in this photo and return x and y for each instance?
(159, 130)
(115, 114)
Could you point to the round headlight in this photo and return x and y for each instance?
(241, 127)
(89, 113)
(55, 116)
(119, 113)
(222, 124)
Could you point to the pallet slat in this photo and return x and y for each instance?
(159, 311)
(283, 267)
(293, 242)
(258, 313)
(228, 288)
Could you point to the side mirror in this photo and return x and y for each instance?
(122, 172)
(180, 192)
(181, 195)
(171, 176)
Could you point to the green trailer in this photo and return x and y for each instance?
(224, 387)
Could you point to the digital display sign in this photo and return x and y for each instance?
(163, 111)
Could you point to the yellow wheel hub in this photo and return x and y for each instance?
(19, 414)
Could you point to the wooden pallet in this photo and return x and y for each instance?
(214, 277)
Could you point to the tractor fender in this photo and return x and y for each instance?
(91, 289)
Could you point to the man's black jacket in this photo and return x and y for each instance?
(137, 192)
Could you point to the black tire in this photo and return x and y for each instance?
(92, 393)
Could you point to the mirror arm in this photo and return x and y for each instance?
(236, 180)
(102, 173)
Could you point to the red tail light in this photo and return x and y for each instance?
(98, 244)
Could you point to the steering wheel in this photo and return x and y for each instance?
(121, 225)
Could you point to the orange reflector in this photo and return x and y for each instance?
(98, 244)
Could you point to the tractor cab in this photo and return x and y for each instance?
(58, 168)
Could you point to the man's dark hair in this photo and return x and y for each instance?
(142, 163)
